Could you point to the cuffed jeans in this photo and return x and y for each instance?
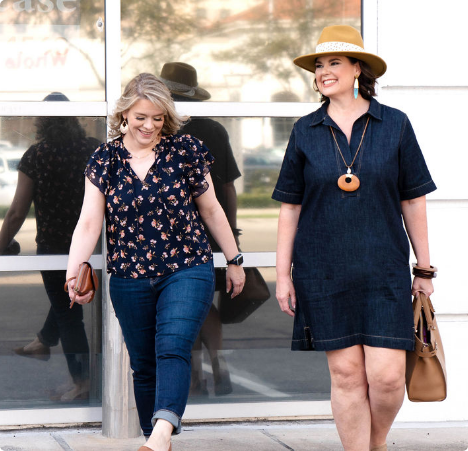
(160, 319)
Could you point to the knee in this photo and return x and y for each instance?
(349, 378)
(389, 380)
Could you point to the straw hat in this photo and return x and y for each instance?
(342, 40)
(181, 79)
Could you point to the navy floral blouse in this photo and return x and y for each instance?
(153, 226)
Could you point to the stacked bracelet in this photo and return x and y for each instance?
(424, 273)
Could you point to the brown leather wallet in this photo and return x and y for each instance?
(86, 281)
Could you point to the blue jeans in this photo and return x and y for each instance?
(160, 319)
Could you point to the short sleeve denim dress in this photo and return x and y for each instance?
(351, 253)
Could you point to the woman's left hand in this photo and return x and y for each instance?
(422, 286)
(235, 280)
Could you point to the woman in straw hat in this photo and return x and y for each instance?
(153, 187)
(352, 171)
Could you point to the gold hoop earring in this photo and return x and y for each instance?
(356, 86)
(124, 127)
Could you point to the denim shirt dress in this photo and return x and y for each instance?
(351, 253)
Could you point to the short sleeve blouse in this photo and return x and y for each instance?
(153, 226)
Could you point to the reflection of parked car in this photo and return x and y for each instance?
(261, 168)
(9, 160)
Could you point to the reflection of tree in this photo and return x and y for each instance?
(84, 15)
(166, 25)
(269, 36)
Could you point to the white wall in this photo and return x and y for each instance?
(423, 43)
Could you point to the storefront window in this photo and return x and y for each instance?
(50, 355)
(243, 353)
(242, 49)
(52, 45)
(248, 155)
(52, 153)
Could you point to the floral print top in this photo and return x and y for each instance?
(153, 226)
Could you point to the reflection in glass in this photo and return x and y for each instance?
(243, 49)
(257, 354)
(258, 146)
(45, 378)
(50, 176)
(55, 168)
(52, 46)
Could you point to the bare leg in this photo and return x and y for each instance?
(385, 370)
(349, 399)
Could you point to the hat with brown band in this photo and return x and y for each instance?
(181, 79)
(342, 40)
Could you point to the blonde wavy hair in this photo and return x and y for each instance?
(146, 86)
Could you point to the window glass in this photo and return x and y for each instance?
(243, 352)
(42, 161)
(50, 354)
(243, 50)
(52, 45)
(248, 155)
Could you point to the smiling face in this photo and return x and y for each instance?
(335, 75)
(145, 122)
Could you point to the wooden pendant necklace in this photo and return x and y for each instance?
(349, 182)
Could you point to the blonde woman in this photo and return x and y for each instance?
(153, 188)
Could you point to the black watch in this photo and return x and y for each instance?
(237, 260)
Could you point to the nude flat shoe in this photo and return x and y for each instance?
(145, 448)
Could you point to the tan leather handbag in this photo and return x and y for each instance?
(426, 376)
(86, 281)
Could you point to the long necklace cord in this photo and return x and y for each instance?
(348, 181)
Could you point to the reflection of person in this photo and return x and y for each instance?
(181, 79)
(352, 171)
(153, 187)
(49, 174)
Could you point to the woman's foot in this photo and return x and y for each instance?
(79, 392)
(380, 448)
(35, 350)
(160, 438)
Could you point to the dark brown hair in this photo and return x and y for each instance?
(367, 81)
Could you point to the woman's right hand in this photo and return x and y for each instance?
(74, 297)
(286, 295)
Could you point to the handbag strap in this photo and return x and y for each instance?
(422, 302)
(428, 311)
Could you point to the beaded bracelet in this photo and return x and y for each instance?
(424, 273)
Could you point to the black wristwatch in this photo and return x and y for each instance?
(237, 260)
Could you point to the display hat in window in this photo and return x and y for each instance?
(342, 40)
(181, 79)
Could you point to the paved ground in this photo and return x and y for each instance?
(273, 436)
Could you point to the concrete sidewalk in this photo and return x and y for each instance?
(264, 436)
